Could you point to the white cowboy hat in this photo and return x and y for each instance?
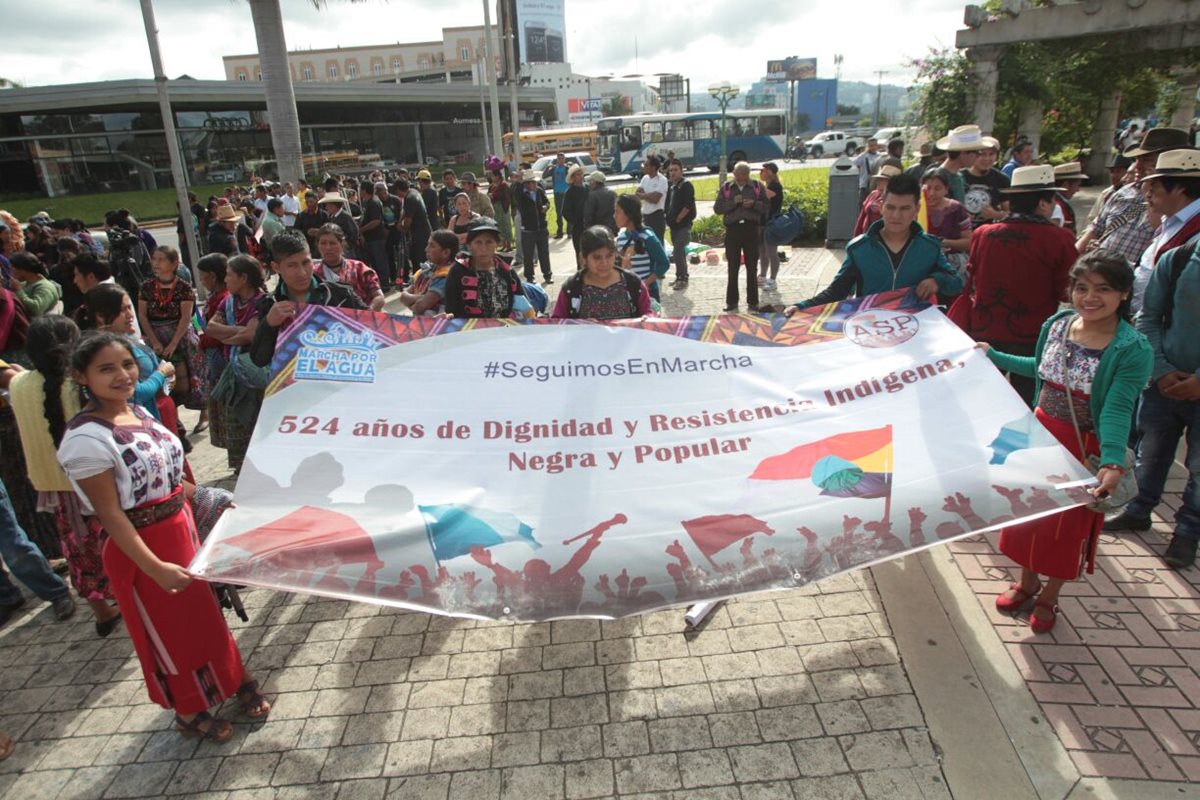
(961, 139)
(1176, 164)
(1069, 171)
(332, 197)
(1035, 178)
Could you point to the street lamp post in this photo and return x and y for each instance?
(723, 92)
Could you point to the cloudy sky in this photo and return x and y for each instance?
(62, 41)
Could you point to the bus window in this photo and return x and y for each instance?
(770, 126)
(703, 129)
(652, 132)
(677, 131)
(631, 138)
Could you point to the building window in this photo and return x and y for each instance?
(464, 53)
(397, 65)
(423, 62)
(352, 70)
(377, 68)
(308, 73)
(333, 71)
(257, 74)
(241, 76)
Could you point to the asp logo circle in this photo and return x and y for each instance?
(881, 327)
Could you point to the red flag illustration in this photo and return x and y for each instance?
(715, 533)
(311, 539)
(798, 462)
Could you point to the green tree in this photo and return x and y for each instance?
(945, 90)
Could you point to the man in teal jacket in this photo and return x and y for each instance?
(1170, 407)
(894, 253)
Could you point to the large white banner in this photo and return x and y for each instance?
(532, 471)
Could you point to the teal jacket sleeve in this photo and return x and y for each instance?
(1026, 366)
(1150, 320)
(146, 392)
(1129, 379)
(660, 262)
(948, 282)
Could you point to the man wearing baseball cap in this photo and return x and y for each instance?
(429, 195)
(481, 204)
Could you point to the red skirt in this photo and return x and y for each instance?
(188, 656)
(1058, 545)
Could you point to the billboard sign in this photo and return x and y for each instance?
(791, 69)
(541, 28)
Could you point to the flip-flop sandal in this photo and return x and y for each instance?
(218, 732)
(252, 701)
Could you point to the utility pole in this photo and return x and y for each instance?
(493, 89)
(178, 175)
(879, 73)
(514, 75)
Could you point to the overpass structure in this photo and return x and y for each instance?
(1143, 24)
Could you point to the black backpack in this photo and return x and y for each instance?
(128, 259)
(573, 289)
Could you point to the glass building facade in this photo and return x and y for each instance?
(225, 139)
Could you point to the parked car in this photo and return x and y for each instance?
(833, 143)
(545, 166)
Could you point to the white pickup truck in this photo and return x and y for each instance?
(833, 143)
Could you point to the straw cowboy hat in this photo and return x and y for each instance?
(227, 213)
(1157, 140)
(887, 171)
(529, 175)
(963, 138)
(1176, 164)
(332, 197)
(1038, 178)
(1069, 171)
(991, 143)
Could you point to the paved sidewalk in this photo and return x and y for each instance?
(810, 693)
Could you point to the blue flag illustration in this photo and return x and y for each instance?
(455, 529)
(1023, 433)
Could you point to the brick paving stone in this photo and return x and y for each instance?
(587, 779)
(134, 780)
(787, 723)
(528, 715)
(679, 733)
(516, 749)
(541, 781)
(649, 773)
(420, 787)
(243, 772)
(579, 743)
(838, 787)
(772, 761)
(475, 785)
(408, 757)
(625, 739)
(463, 752)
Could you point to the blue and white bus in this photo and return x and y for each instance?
(695, 138)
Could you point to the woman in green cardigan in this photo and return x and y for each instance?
(1108, 364)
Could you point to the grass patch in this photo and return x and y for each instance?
(146, 206)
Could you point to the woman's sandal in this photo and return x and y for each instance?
(218, 731)
(1038, 624)
(1011, 605)
(7, 745)
(253, 704)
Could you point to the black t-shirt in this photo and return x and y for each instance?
(983, 190)
(775, 204)
(445, 198)
(373, 210)
(393, 210)
(306, 220)
(355, 210)
(415, 209)
(429, 197)
(898, 256)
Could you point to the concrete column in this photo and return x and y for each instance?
(1030, 124)
(1189, 82)
(986, 62)
(1102, 137)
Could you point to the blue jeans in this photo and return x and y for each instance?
(1161, 423)
(24, 559)
(680, 237)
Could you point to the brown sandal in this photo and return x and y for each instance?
(218, 731)
(7, 745)
(253, 704)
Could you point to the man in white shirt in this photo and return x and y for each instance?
(652, 191)
(1172, 191)
(866, 162)
(291, 204)
(260, 203)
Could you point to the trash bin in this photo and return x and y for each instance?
(843, 202)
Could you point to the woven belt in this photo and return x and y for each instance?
(146, 515)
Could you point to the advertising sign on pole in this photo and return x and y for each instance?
(541, 29)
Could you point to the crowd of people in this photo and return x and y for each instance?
(1092, 321)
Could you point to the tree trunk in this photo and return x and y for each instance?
(277, 83)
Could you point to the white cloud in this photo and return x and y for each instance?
(705, 40)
